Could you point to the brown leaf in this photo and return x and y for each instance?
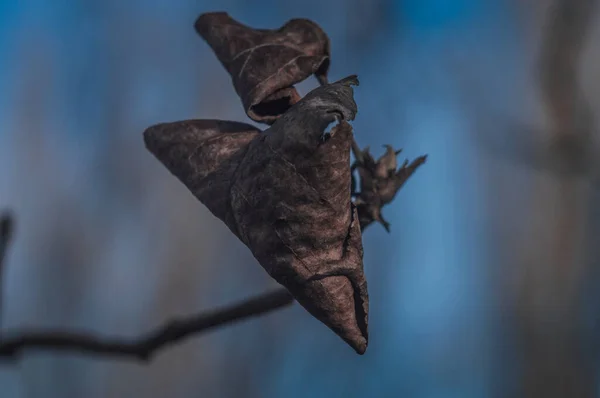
(380, 182)
(286, 195)
(265, 64)
(203, 154)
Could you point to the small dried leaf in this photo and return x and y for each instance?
(379, 182)
(265, 64)
(286, 194)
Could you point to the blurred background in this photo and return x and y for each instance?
(486, 286)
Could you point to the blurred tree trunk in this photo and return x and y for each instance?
(552, 263)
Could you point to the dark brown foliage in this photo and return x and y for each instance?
(265, 64)
(379, 182)
(285, 193)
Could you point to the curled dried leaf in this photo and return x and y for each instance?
(380, 181)
(286, 194)
(265, 64)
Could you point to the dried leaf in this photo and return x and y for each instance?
(286, 194)
(203, 154)
(265, 64)
(379, 182)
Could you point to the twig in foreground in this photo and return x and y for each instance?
(6, 228)
(6, 231)
(145, 347)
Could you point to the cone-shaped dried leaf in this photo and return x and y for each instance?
(379, 182)
(265, 64)
(286, 195)
(203, 154)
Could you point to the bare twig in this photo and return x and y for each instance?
(144, 347)
(6, 231)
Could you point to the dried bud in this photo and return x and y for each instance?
(379, 182)
(285, 193)
(265, 64)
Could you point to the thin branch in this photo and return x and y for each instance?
(6, 232)
(146, 346)
(142, 348)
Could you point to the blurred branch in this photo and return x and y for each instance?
(555, 364)
(145, 347)
(6, 231)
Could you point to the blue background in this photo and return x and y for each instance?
(108, 241)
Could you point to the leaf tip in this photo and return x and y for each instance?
(351, 80)
(206, 19)
(360, 346)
